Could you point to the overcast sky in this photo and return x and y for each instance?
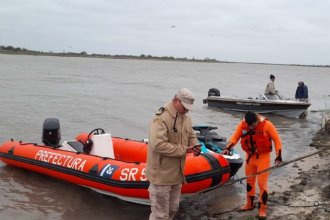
(263, 31)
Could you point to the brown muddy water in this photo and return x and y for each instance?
(121, 96)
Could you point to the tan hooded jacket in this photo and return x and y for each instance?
(167, 149)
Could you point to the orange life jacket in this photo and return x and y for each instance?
(255, 141)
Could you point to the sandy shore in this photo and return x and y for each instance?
(304, 194)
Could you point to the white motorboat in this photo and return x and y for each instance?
(269, 104)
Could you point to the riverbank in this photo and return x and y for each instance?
(20, 51)
(84, 54)
(303, 195)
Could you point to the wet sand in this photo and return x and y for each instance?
(302, 194)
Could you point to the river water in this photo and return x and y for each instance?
(121, 96)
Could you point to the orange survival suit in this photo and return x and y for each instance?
(257, 143)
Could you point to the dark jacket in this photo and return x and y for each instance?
(302, 92)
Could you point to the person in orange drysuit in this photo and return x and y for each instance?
(256, 134)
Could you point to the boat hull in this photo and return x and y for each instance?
(121, 179)
(287, 108)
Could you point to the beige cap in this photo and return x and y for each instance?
(186, 97)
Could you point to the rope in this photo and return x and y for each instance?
(284, 163)
(316, 205)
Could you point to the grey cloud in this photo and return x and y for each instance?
(275, 31)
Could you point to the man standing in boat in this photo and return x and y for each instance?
(302, 92)
(170, 137)
(256, 134)
(270, 90)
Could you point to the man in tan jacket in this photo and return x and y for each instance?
(170, 137)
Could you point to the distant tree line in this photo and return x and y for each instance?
(12, 48)
(18, 50)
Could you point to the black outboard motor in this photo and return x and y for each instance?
(213, 92)
(51, 133)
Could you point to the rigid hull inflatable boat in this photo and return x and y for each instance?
(108, 165)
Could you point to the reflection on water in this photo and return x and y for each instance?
(121, 96)
(31, 194)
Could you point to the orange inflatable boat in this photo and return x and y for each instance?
(108, 165)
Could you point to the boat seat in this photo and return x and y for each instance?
(103, 146)
(79, 147)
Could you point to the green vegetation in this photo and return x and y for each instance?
(23, 51)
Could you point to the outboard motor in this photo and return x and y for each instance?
(213, 92)
(51, 133)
